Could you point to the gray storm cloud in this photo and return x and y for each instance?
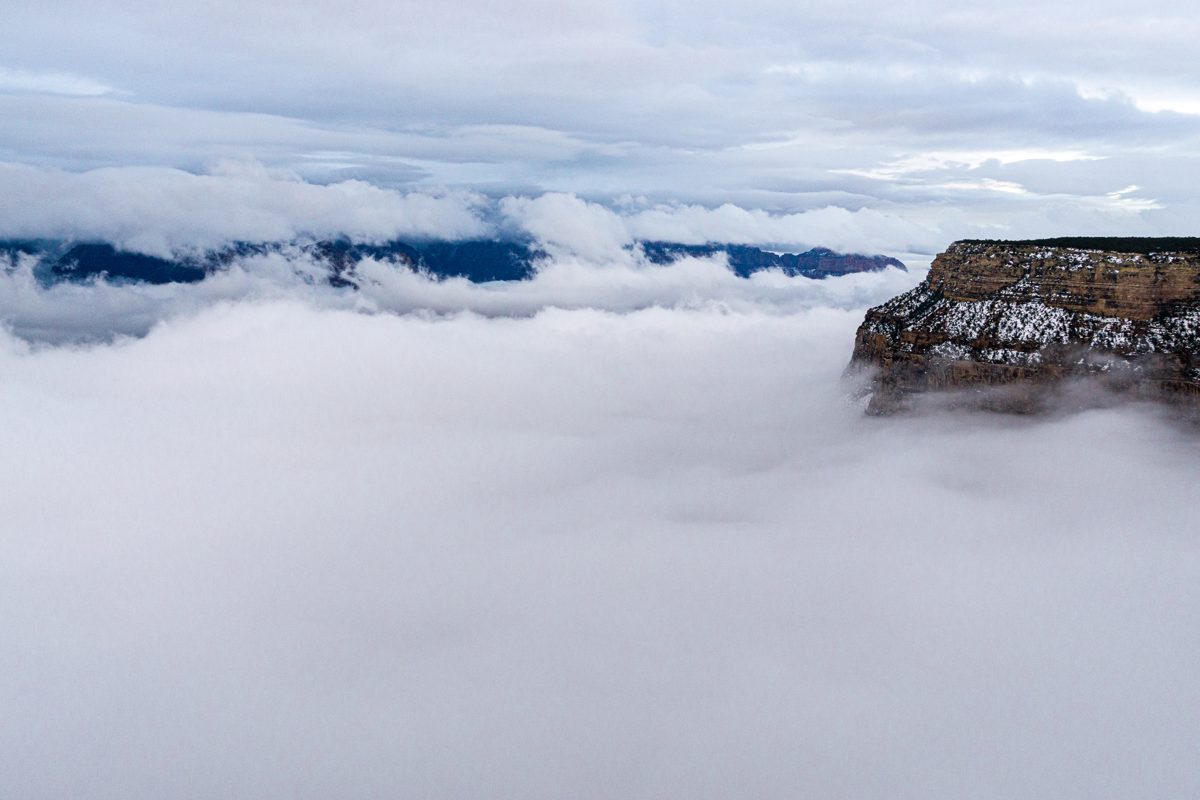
(272, 549)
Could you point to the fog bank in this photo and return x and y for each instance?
(276, 549)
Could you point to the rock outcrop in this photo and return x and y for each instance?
(1012, 324)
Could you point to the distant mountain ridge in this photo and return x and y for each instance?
(479, 261)
(745, 260)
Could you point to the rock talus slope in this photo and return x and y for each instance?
(1014, 323)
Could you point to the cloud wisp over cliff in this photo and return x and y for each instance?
(274, 548)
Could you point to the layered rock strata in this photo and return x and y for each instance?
(1014, 323)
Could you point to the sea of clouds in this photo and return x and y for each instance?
(615, 531)
(164, 211)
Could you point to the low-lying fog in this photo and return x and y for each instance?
(278, 548)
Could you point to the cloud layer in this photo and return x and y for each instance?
(774, 107)
(162, 211)
(278, 550)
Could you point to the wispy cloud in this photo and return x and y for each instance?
(60, 83)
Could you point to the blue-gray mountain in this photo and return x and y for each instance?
(479, 261)
(745, 260)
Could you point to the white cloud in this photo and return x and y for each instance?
(160, 211)
(905, 168)
(568, 225)
(986, 185)
(273, 550)
(839, 228)
(565, 224)
(51, 83)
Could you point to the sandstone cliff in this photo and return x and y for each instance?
(1013, 322)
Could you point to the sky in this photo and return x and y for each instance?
(943, 121)
(619, 530)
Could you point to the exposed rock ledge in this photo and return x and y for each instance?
(1012, 323)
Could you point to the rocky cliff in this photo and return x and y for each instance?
(1015, 323)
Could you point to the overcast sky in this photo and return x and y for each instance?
(1016, 118)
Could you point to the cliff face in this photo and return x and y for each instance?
(1011, 321)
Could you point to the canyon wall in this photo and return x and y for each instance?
(1010, 324)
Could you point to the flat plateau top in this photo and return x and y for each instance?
(1112, 244)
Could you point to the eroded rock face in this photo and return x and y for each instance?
(1013, 322)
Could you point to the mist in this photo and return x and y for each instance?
(277, 547)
